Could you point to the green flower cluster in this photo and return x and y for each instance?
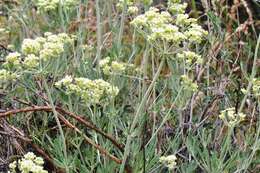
(38, 50)
(230, 117)
(28, 164)
(91, 91)
(51, 5)
(110, 67)
(169, 161)
(188, 84)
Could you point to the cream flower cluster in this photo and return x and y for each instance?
(188, 84)
(158, 26)
(132, 5)
(256, 87)
(33, 51)
(12, 60)
(175, 6)
(6, 75)
(110, 67)
(38, 50)
(179, 28)
(230, 117)
(28, 164)
(169, 161)
(51, 5)
(189, 57)
(91, 91)
(120, 4)
(132, 10)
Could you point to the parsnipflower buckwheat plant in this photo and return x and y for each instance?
(169, 161)
(132, 5)
(176, 7)
(230, 117)
(256, 87)
(132, 10)
(110, 67)
(38, 50)
(90, 91)
(189, 57)
(30, 163)
(188, 84)
(6, 75)
(177, 28)
(171, 31)
(51, 5)
(12, 60)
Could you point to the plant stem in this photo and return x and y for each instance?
(121, 29)
(99, 34)
(256, 143)
(138, 114)
(253, 73)
(58, 122)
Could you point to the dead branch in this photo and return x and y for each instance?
(60, 110)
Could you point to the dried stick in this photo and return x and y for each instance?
(91, 126)
(89, 141)
(60, 110)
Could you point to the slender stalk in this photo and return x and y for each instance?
(253, 73)
(256, 143)
(99, 34)
(61, 16)
(79, 118)
(58, 123)
(138, 114)
(166, 117)
(121, 29)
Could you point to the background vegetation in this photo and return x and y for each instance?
(156, 113)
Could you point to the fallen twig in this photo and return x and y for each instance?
(91, 126)
(60, 110)
(89, 141)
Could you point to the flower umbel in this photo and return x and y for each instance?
(90, 91)
(188, 84)
(169, 161)
(230, 117)
(110, 67)
(51, 5)
(29, 163)
(40, 49)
